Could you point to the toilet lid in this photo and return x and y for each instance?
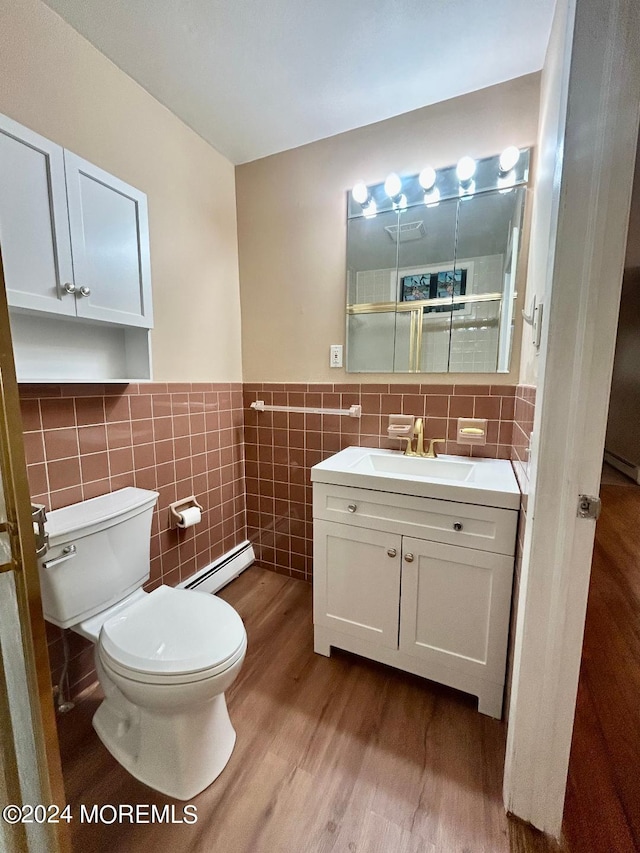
(174, 632)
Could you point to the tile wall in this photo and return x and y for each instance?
(525, 404)
(176, 438)
(203, 439)
(281, 447)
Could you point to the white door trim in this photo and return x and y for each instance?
(581, 312)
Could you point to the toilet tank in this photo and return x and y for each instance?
(107, 541)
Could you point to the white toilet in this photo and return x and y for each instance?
(164, 658)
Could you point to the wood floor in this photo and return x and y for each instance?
(333, 754)
(602, 809)
(612, 477)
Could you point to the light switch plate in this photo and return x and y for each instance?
(335, 355)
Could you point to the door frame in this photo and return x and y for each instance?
(600, 69)
(33, 639)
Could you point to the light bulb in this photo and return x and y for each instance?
(370, 210)
(509, 158)
(392, 185)
(432, 197)
(360, 192)
(427, 178)
(506, 181)
(465, 169)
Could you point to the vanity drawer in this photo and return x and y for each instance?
(467, 525)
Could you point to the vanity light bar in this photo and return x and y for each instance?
(499, 172)
(351, 412)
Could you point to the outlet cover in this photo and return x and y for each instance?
(335, 355)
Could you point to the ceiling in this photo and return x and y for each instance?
(254, 77)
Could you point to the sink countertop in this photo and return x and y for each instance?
(489, 482)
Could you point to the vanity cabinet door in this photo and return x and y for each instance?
(357, 582)
(455, 607)
(34, 229)
(110, 243)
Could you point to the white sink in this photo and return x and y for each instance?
(490, 482)
(415, 466)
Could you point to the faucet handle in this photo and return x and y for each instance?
(409, 451)
(431, 453)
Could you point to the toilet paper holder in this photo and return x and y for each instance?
(177, 507)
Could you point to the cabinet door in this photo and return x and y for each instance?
(34, 229)
(455, 607)
(110, 244)
(356, 582)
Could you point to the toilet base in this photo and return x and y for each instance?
(177, 753)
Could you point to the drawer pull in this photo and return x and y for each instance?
(352, 507)
(408, 558)
(391, 552)
(457, 525)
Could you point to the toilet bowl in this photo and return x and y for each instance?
(164, 659)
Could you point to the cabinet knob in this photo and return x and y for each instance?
(69, 287)
(352, 507)
(457, 525)
(408, 558)
(391, 552)
(85, 291)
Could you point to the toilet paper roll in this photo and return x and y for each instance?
(189, 516)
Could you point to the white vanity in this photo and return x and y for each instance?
(413, 564)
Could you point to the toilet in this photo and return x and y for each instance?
(164, 659)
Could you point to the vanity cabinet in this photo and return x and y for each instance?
(358, 589)
(417, 583)
(75, 247)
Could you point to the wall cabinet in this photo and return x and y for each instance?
(34, 223)
(109, 244)
(75, 248)
(402, 594)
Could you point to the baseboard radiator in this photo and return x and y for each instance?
(221, 572)
(622, 465)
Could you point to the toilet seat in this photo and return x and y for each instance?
(173, 636)
(141, 677)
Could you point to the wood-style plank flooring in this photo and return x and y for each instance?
(602, 808)
(333, 754)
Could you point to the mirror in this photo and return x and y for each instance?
(431, 288)
(372, 261)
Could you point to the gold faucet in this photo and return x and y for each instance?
(418, 431)
(431, 452)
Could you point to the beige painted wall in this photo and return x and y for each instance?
(292, 231)
(53, 81)
(544, 215)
